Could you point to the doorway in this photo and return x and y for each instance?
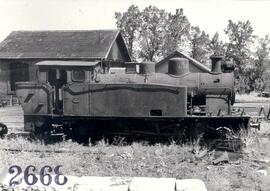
(57, 79)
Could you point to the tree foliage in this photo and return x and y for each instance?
(129, 22)
(199, 45)
(217, 47)
(262, 55)
(153, 33)
(177, 32)
(261, 63)
(240, 37)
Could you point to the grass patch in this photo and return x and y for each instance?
(141, 159)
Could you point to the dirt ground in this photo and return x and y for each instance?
(12, 117)
(251, 171)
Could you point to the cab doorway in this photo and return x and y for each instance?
(57, 78)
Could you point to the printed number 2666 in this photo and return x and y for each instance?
(29, 172)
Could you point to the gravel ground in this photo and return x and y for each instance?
(12, 117)
(138, 159)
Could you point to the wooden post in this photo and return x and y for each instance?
(262, 111)
(243, 112)
(11, 100)
(268, 115)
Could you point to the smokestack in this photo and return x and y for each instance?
(216, 63)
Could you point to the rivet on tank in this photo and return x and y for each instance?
(178, 66)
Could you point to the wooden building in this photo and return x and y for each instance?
(22, 49)
(194, 65)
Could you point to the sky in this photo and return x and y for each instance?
(209, 15)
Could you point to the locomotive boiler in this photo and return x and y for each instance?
(72, 98)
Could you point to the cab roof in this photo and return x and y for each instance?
(67, 63)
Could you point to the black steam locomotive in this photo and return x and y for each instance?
(74, 99)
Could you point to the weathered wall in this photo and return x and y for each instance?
(32, 70)
(4, 78)
(5, 74)
(118, 51)
(115, 53)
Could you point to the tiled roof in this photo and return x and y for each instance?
(94, 44)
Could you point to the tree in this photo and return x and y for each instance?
(129, 22)
(177, 31)
(151, 37)
(199, 45)
(240, 37)
(152, 33)
(217, 47)
(261, 63)
(262, 55)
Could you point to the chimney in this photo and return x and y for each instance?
(216, 63)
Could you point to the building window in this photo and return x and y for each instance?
(78, 75)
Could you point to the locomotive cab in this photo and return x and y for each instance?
(43, 99)
(58, 74)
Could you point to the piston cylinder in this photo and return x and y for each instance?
(178, 66)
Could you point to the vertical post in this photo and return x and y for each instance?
(243, 112)
(229, 107)
(262, 111)
(219, 112)
(191, 104)
(11, 100)
(268, 115)
(57, 74)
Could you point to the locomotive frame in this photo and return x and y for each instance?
(72, 98)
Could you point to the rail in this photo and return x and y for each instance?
(261, 113)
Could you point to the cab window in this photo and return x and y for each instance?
(78, 75)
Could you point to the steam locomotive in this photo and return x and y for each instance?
(72, 98)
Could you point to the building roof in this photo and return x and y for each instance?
(191, 60)
(94, 44)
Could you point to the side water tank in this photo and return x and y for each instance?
(147, 67)
(178, 66)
